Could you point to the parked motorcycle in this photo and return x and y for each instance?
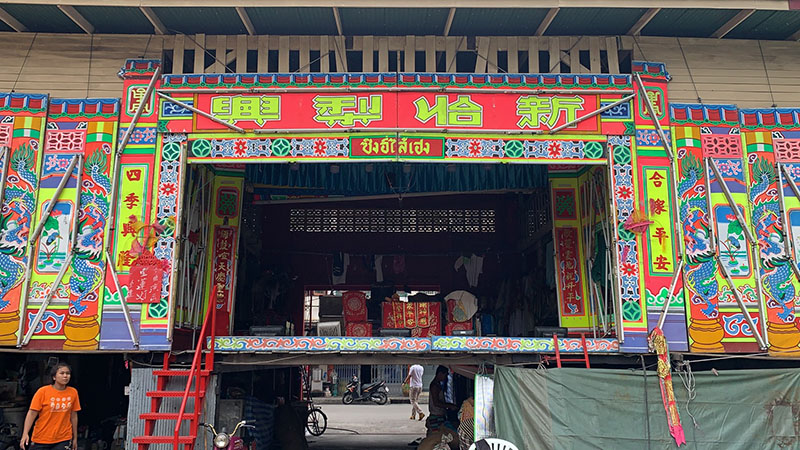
(230, 441)
(376, 392)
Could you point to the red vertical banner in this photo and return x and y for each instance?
(222, 273)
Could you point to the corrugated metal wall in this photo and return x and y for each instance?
(143, 381)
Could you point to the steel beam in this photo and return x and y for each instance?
(152, 17)
(648, 15)
(592, 114)
(663, 316)
(245, 18)
(548, 19)
(201, 112)
(4, 175)
(12, 22)
(728, 26)
(77, 17)
(449, 22)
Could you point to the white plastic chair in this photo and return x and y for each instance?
(498, 444)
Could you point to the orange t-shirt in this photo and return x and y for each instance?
(55, 408)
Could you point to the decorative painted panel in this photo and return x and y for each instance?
(223, 241)
(23, 118)
(86, 128)
(411, 345)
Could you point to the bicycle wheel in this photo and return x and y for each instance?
(316, 422)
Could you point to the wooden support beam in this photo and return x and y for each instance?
(76, 17)
(177, 53)
(12, 22)
(338, 19)
(449, 23)
(248, 24)
(733, 23)
(158, 26)
(648, 15)
(548, 19)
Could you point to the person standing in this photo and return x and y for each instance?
(56, 407)
(414, 380)
(437, 406)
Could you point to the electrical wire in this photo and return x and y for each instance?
(689, 384)
(24, 60)
(689, 69)
(766, 73)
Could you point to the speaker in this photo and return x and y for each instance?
(550, 331)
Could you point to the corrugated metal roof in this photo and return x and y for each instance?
(594, 21)
(297, 21)
(681, 22)
(111, 19)
(496, 21)
(42, 18)
(201, 20)
(393, 21)
(688, 22)
(768, 25)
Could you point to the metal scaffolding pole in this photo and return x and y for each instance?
(67, 260)
(123, 301)
(788, 247)
(750, 240)
(33, 238)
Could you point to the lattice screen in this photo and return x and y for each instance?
(392, 220)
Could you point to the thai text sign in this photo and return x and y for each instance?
(392, 110)
(389, 146)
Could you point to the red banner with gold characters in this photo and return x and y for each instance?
(390, 110)
(222, 274)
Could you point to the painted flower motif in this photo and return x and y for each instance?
(624, 191)
(554, 149)
(320, 148)
(474, 148)
(629, 269)
(240, 147)
(168, 189)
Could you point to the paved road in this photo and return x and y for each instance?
(365, 426)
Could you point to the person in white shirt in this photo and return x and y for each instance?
(414, 380)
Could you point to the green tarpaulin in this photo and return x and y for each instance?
(596, 408)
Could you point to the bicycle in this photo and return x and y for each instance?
(316, 420)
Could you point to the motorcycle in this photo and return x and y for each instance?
(376, 392)
(230, 441)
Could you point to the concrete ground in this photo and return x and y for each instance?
(368, 426)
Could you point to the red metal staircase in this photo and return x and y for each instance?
(559, 359)
(196, 382)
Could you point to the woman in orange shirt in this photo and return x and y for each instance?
(56, 407)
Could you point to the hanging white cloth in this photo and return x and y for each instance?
(473, 265)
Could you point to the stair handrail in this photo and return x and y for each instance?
(195, 370)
